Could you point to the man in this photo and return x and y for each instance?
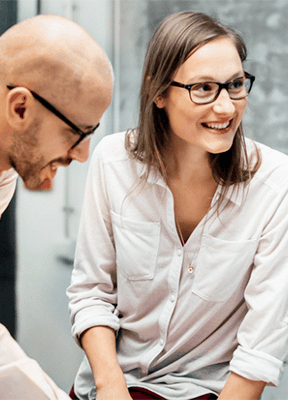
(56, 83)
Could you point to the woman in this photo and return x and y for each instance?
(182, 249)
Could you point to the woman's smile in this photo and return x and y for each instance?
(219, 126)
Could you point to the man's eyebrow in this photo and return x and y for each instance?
(90, 127)
(87, 128)
(84, 128)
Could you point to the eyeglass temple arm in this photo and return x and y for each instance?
(52, 109)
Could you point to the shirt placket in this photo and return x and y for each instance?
(174, 273)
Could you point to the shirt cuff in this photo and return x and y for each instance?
(257, 366)
(82, 324)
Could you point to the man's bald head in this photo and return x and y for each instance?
(49, 53)
(54, 58)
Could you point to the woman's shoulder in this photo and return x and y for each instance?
(112, 148)
(274, 164)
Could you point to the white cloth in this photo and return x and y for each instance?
(181, 332)
(7, 188)
(21, 378)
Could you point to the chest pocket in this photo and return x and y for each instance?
(136, 244)
(223, 267)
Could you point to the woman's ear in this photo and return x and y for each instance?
(19, 108)
(159, 101)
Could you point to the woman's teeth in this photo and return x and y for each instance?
(218, 126)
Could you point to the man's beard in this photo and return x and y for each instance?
(24, 158)
(31, 174)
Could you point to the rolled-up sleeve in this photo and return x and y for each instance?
(263, 334)
(92, 292)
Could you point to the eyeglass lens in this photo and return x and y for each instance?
(209, 91)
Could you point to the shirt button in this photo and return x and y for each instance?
(190, 269)
(161, 341)
(179, 252)
(172, 298)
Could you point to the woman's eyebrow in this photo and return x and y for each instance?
(209, 78)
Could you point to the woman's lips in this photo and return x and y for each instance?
(218, 126)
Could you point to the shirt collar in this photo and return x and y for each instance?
(235, 193)
(154, 174)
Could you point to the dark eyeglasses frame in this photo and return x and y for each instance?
(46, 104)
(220, 87)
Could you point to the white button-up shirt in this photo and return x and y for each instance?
(21, 378)
(7, 188)
(187, 315)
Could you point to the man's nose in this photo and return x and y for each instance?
(80, 152)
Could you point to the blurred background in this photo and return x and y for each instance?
(39, 230)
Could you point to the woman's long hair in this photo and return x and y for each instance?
(176, 38)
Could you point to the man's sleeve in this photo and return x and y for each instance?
(7, 188)
(21, 378)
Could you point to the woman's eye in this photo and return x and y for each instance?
(203, 87)
(237, 84)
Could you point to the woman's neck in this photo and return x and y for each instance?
(187, 163)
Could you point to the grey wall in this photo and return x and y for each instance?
(8, 14)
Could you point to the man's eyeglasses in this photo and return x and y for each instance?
(207, 92)
(46, 104)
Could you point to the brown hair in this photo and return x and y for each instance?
(176, 38)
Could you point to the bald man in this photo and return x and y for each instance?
(56, 82)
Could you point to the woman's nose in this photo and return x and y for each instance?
(223, 104)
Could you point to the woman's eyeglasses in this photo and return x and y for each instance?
(207, 92)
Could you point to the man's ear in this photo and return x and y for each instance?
(159, 101)
(19, 108)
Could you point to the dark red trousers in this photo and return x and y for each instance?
(144, 394)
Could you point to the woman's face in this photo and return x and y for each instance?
(209, 127)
